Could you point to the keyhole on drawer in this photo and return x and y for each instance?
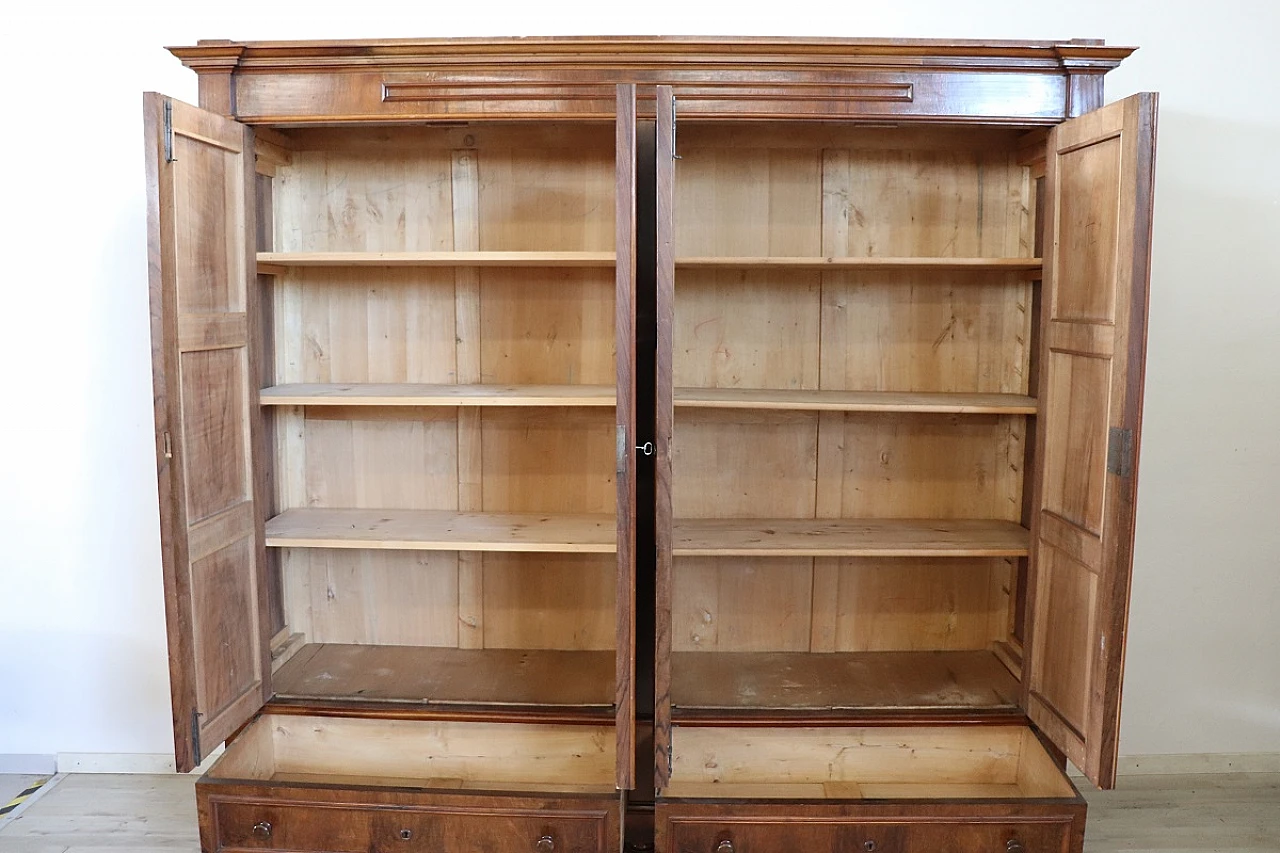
(869, 846)
(406, 834)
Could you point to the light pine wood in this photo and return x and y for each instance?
(374, 750)
(787, 537)
(853, 401)
(384, 394)
(1023, 265)
(934, 761)
(1098, 180)
(428, 530)
(273, 262)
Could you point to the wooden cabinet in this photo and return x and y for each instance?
(421, 310)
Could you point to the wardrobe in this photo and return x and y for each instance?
(690, 444)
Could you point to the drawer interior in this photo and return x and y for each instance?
(447, 754)
(865, 762)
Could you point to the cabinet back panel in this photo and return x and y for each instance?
(848, 191)
(781, 604)
(925, 331)
(549, 601)
(411, 189)
(546, 326)
(744, 464)
(747, 329)
(369, 325)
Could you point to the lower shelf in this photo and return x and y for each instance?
(417, 675)
(843, 683)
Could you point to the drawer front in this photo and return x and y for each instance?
(853, 836)
(327, 828)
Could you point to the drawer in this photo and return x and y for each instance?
(353, 785)
(494, 825)
(848, 834)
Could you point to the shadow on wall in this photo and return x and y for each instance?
(1203, 672)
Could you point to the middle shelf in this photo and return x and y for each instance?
(411, 394)
(443, 530)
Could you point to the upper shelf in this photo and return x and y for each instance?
(1025, 265)
(854, 401)
(884, 537)
(442, 530)
(275, 262)
(380, 394)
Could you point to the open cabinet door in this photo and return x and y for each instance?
(625, 369)
(1099, 185)
(199, 217)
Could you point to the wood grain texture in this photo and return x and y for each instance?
(1026, 265)
(626, 296)
(788, 537)
(435, 530)
(444, 676)
(207, 426)
(273, 261)
(848, 682)
(388, 394)
(1098, 188)
(853, 401)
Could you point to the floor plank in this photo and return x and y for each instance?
(1225, 813)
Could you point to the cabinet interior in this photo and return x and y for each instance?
(845, 763)
(855, 313)
(439, 403)
(422, 754)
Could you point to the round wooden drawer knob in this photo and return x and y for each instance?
(262, 829)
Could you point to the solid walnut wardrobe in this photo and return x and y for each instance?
(498, 380)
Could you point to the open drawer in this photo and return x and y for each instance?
(868, 789)
(356, 785)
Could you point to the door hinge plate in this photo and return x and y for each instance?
(168, 131)
(622, 449)
(1120, 451)
(195, 737)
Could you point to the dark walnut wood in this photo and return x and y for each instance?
(884, 827)
(236, 816)
(409, 80)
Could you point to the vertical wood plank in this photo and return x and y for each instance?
(665, 279)
(466, 238)
(625, 360)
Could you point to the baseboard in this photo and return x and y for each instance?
(1196, 762)
(28, 764)
(115, 762)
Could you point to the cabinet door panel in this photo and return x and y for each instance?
(200, 171)
(1099, 183)
(625, 364)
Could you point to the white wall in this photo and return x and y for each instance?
(82, 648)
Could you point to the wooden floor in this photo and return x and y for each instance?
(1226, 813)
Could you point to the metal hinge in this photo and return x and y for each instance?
(674, 155)
(168, 131)
(168, 445)
(1120, 451)
(195, 736)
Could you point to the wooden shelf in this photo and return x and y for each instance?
(854, 401)
(533, 678)
(436, 530)
(789, 537)
(276, 262)
(872, 682)
(820, 263)
(376, 394)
